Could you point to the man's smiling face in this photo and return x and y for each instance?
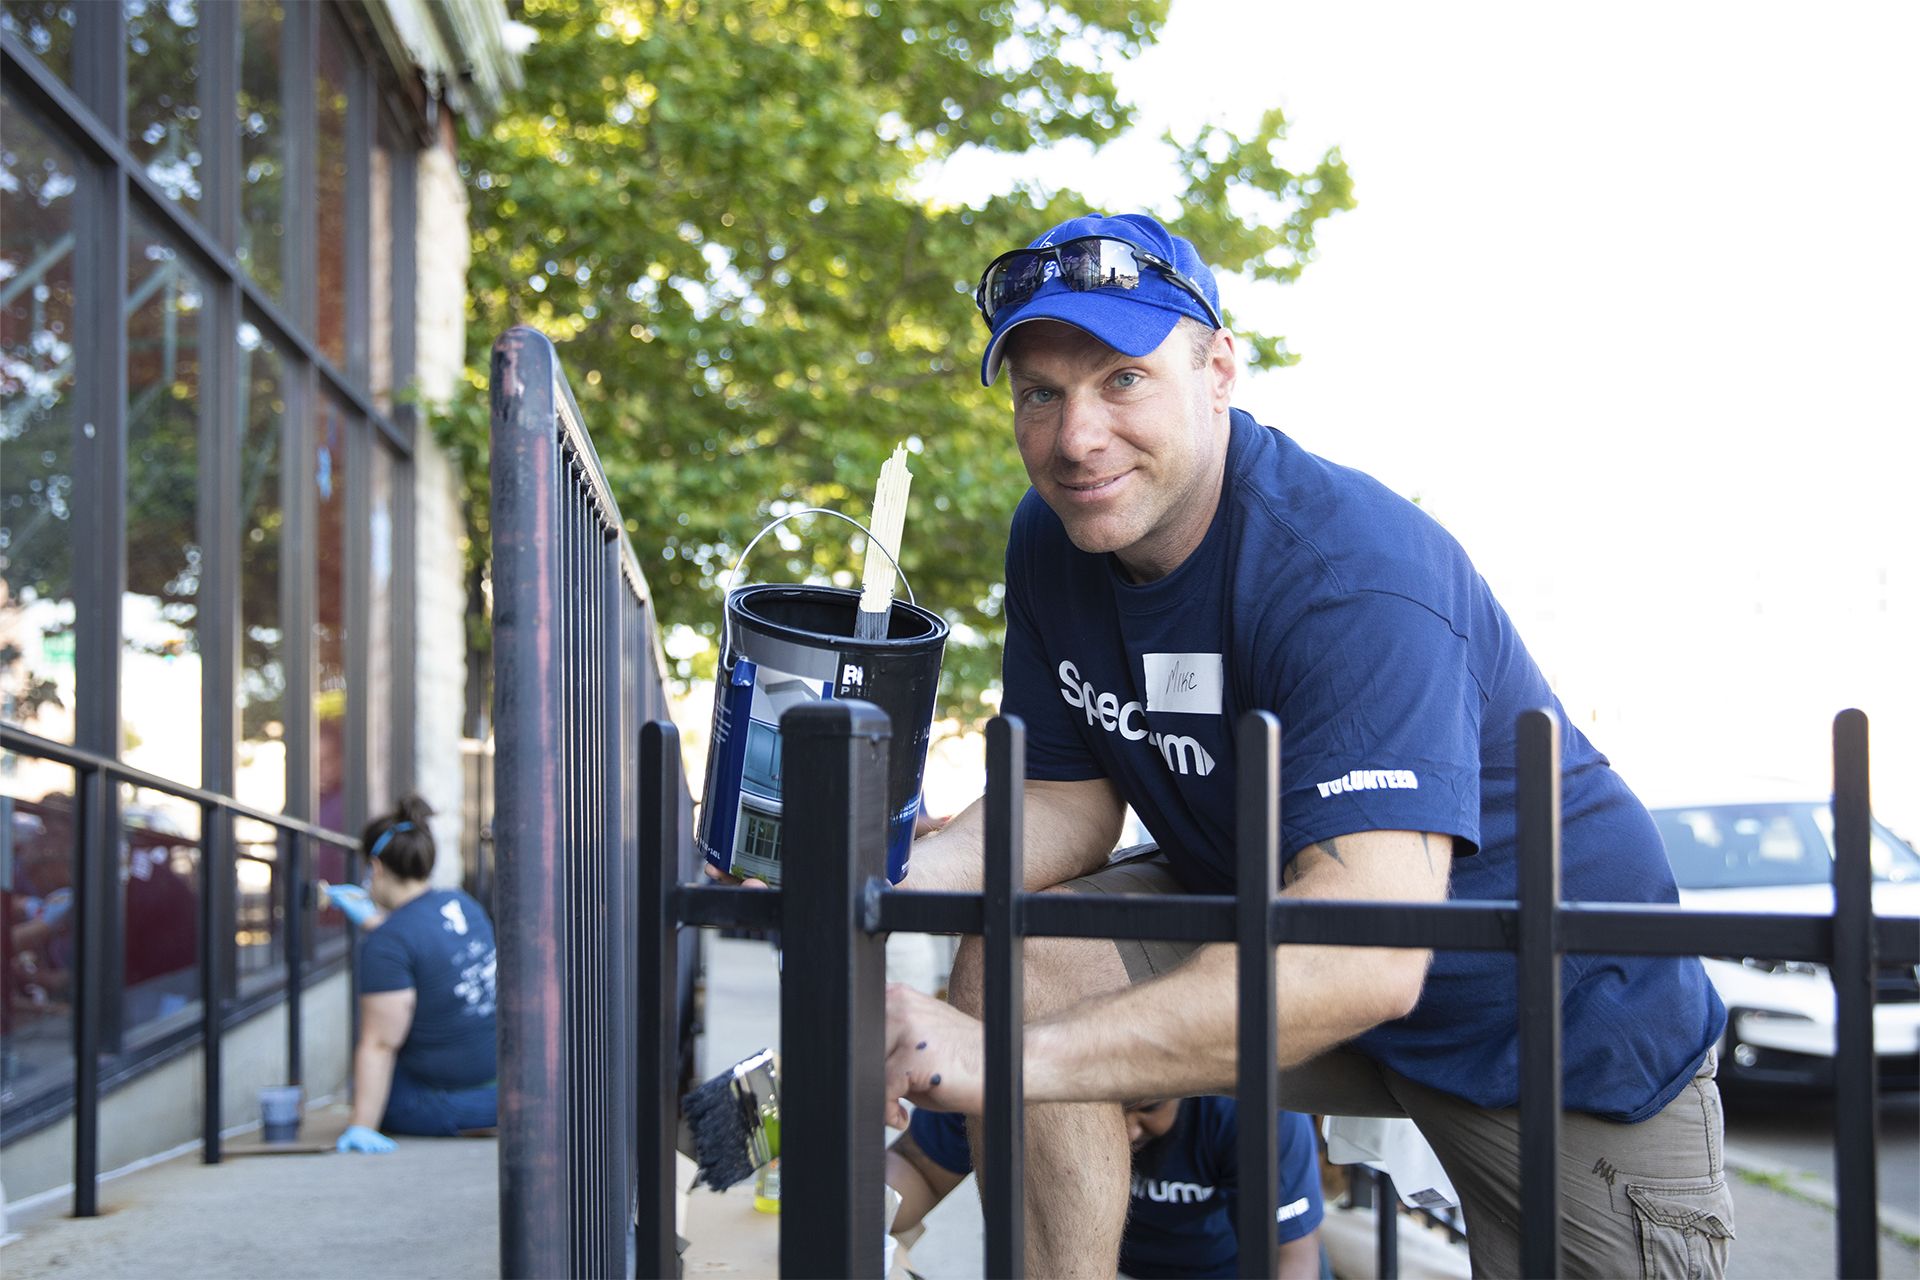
(1127, 450)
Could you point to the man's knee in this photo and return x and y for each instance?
(966, 984)
(1058, 972)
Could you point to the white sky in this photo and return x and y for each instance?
(1631, 301)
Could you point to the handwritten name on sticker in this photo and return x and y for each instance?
(1189, 683)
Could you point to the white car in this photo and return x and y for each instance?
(1778, 857)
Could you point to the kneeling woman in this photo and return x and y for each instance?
(425, 1063)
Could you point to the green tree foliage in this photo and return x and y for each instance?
(711, 206)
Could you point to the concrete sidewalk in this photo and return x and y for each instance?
(430, 1209)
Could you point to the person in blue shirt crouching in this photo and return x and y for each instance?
(1185, 1180)
(1175, 565)
(426, 1060)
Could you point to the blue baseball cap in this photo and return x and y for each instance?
(1133, 321)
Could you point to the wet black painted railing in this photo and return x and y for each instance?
(96, 882)
(593, 985)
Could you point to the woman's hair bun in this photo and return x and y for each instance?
(402, 840)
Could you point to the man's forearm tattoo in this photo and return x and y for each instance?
(1303, 861)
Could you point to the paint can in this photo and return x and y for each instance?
(280, 1112)
(783, 645)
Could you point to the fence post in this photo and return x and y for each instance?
(832, 993)
(1386, 1225)
(1003, 1126)
(293, 899)
(530, 834)
(1257, 829)
(93, 849)
(355, 874)
(1856, 1090)
(656, 1251)
(1538, 970)
(216, 924)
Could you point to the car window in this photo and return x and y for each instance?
(1750, 846)
(1735, 846)
(1892, 857)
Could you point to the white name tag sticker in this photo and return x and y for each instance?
(1184, 682)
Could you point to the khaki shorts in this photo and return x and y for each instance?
(1140, 869)
(1648, 1199)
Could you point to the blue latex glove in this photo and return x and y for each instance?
(353, 902)
(359, 1138)
(56, 906)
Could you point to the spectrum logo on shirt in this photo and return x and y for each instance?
(1370, 780)
(1183, 755)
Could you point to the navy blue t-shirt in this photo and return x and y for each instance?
(440, 945)
(1180, 1222)
(1323, 597)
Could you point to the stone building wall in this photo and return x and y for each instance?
(440, 654)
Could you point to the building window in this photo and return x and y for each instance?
(160, 678)
(163, 94)
(160, 879)
(759, 844)
(37, 336)
(331, 479)
(38, 945)
(45, 27)
(202, 497)
(380, 690)
(260, 755)
(332, 221)
(264, 191)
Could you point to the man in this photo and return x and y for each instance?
(1185, 1179)
(1175, 565)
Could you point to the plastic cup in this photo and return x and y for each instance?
(280, 1112)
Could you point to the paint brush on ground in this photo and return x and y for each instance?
(734, 1120)
(888, 521)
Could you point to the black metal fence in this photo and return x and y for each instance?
(596, 880)
(577, 671)
(837, 913)
(97, 966)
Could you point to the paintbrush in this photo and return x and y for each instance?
(888, 521)
(734, 1120)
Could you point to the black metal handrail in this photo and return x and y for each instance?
(577, 671)
(94, 881)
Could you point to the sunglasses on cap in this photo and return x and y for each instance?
(1091, 262)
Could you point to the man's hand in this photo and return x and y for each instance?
(750, 882)
(934, 1056)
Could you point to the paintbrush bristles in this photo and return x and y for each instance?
(888, 522)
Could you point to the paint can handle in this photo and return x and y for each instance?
(726, 628)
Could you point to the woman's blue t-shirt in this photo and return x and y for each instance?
(1323, 597)
(1180, 1221)
(440, 945)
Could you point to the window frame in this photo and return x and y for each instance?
(87, 112)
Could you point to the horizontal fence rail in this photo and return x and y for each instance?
(1445, 926)
(96, 881)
